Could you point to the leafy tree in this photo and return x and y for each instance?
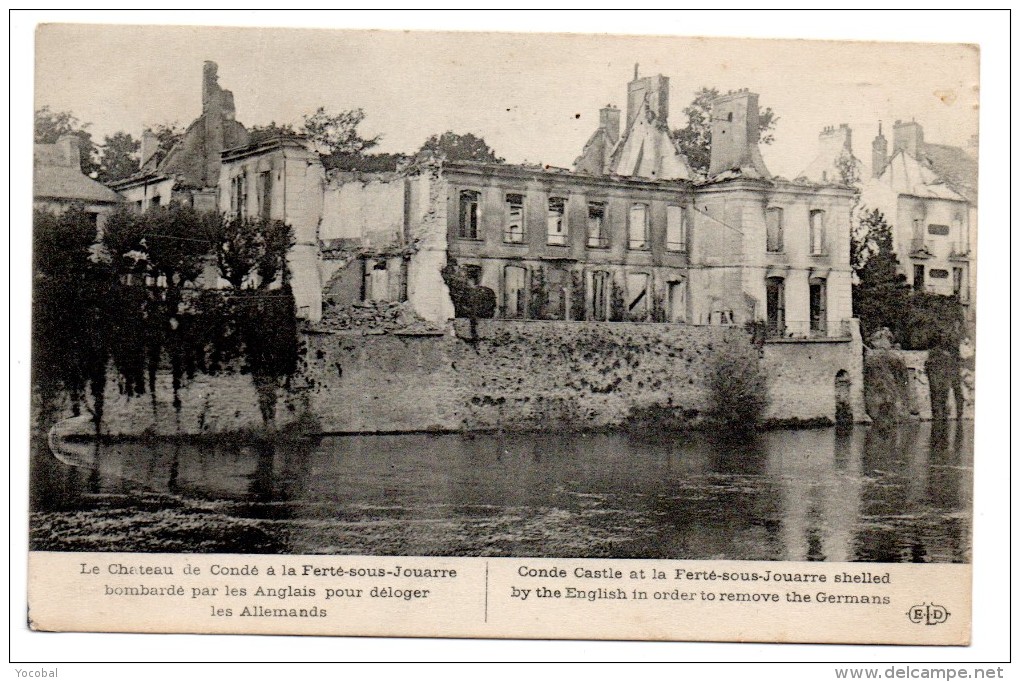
(157, 256)
(51, 125)
(118, 158)
(738, 384)
(881, 295)
(934, 321)
(371, 163)
(251, 254)
(695, 139)
(451, 146)
(70, 290)
(336, 137)
(257, 134)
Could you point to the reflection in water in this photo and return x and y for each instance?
(900, 494)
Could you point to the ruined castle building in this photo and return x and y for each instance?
(58, 182)
(645, 149)
(189, 172)
(735, 136)
(585, 245)
(280, 179)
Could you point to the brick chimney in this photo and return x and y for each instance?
(909, 137)
(70, 151)
(609, 121)
(150, 144)
(217, 109)
(879, 153)
(735, 135)
(653, 88)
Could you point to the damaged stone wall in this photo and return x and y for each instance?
(804, 379)
(396, 218)
(513, 375)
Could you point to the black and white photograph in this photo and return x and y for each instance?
(634, 308)
(327, 293)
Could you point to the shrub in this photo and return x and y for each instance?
(738, 384)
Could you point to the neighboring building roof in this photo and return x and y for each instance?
(906, 175)
(956, 167)
(60, 182)
(58, 175)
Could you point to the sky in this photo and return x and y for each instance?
(532, 97)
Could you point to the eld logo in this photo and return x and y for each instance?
(929, 614)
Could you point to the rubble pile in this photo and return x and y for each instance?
(375, 317)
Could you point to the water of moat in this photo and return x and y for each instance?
(898, 494)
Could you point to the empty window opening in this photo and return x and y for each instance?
(377, 281)
(918, 278)
(405, 267)
(676, 228)
(775, 306)
(678, 301)
(556, 221)
(513, 231)
(638, 226)
(817, 306)
(515, 301)
(938, 230)
(264, 189)
(468, 214)
(597, 236)
(558, 292)
(239, 195)
(637, 295)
